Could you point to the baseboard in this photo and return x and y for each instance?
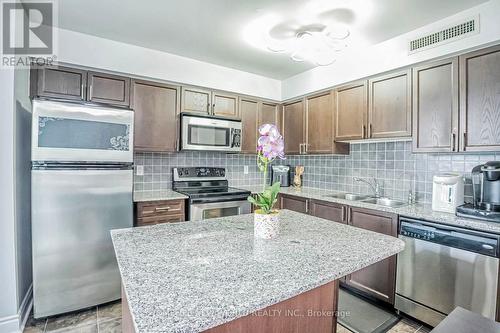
(9, 324)
(16, 323)
(25, 308)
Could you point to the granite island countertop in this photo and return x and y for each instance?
(192, 276)
(416, 211)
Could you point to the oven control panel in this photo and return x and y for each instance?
(199, 172)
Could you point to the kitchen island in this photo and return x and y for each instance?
(214, 276)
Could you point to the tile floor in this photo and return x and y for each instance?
(107, 319)
(100, 319)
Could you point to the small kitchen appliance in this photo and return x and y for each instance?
(209, 133)
(447, 192)
(485, 193)
(209, 193)
(281, 174)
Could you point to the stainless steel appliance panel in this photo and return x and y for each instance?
(201, 211)
(73, 211)
(210, 134)
(70, 132)
(434, 277)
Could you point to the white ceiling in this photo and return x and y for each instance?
(214, 30)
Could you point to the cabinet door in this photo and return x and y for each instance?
(319, 130)
(294, 203)
(377, 280)
(156, 106)
(60, 82)
(225, 105)
(196, 100)
(293, 127)
(329, 211)
(249, 112)
(268, 114)
(107, 88)
(351, 109)
(389, 110)
(435, 107)
(480, 100)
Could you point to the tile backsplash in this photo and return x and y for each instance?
(391, 163)
(158, 168)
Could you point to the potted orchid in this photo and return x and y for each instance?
(270, 147)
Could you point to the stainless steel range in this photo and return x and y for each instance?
(209, 193)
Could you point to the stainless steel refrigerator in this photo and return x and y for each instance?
(82, 161)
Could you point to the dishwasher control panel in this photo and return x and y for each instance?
(460, 238)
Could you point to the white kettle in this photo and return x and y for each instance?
(447, 192)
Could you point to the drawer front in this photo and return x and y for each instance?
(160, 208)
(159, 219)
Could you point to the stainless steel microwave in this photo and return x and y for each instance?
(210, 133)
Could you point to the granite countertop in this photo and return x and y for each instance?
(141, 196)
(417, 211)
(192, 276)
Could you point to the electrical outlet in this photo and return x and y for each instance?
(139, 170)
(245, 170)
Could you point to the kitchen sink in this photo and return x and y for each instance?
(385, 202)
(349, 196)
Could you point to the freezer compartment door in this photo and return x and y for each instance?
(73, 211)
(68, 132)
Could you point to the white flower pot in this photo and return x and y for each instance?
(266, 226)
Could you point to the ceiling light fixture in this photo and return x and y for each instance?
(317, 44)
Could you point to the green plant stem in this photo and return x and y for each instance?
(265, 176)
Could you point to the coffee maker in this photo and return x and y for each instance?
(281, 174)
(485, 193)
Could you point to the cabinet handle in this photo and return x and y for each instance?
(453, 141)
(369, 131)
(301, 146)
(213, 108)
(307, 206)
(83, 90)
(208, 108)
(306, 148)
(464, 144)
(363, 131)
(343, 214)
(163, 209)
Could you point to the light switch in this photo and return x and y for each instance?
(245, 170)
(139, 170)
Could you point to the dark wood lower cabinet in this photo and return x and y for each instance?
(377, 280)
(328, 211)
(156, 212)
(294, 203)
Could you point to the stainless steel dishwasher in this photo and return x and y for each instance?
(443, 267)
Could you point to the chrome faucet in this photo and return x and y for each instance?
(375, 186)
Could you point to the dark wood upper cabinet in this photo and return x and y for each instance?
(293, 127)
(389, 105)
(297, 204)
(225, 105)
(480, 100)
(59, 82)
(269, 113)
(435, 107)
(196, 100)
(377, 280)
(320, 126)
(156, 106)
(109, 89)
(249, 110)
(319, 122)
(351, 106)
(328, 210)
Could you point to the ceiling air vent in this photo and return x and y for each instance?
(449, 34)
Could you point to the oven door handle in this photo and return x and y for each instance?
(242, 197)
